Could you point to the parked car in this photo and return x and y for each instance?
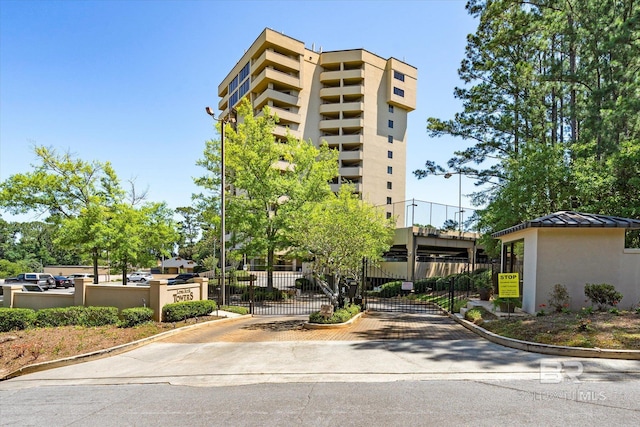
(182, 278)
(139, 276)
(73, 276)
(62, 282)
(44, 280)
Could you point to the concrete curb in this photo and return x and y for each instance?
(112, 351)
(555, 350)
(349, 322)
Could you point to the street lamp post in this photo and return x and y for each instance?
(223, 122)
(413, 206)
(447, 176)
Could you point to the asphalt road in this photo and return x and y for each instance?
(386, 370)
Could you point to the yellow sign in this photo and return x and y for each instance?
(508, 285)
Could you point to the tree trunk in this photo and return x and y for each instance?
(270, 257)
(94, 255)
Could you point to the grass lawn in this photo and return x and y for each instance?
(36, 345)
(597, 330)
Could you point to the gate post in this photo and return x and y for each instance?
(251, 278)
(364, 283)
(451, 293)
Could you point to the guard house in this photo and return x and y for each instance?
(572, 249)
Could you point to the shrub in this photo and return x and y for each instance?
(59, 316)
(391, 289)
(458, 304)
(238, 288)
(341, 315)
(602, 294)
(423, 286)
(474, 316)
(16, 318)
(135, 316)
(442, 284)
(462, 282)
(76, 315)
(235, 309)
(482, 280)
(262, 294)
(305, 285)
(99, 316)
(559, 298)
(179, 311)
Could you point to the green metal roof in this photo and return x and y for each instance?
(570, 219)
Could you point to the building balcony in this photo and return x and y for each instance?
(269, 58)
(350, 155)
(343, 139)
(277, 96)
(269, 75)
(284, 115)
(336, 187)
(338, 75)
(281, 131)
(341, 123)
(329, 92)
(344, 107)
(350, 171)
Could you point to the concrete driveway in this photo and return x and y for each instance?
(379, 347)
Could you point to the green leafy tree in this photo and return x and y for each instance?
(272, 182)
(550, 108)
(64, 187)
(188, 229)
(139, 236)
(339, 232)
(86, 204)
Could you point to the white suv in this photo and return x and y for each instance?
(139, 276)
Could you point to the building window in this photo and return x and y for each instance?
(389, 185)
(391, 123)
(390, 154)
(398, 76)
(391, 108)
(390, 170)
(233, 100)
(390, 139)
(244, 72)
(234, 84)
(388, 215)
(388, 200)
(244, 88)
(398, 91)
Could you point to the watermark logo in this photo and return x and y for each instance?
(558, 371)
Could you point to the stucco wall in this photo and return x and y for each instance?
(155, 295)
(117, 296)
(630, 277)
(574, 257)
(39, 300)
(577, 256)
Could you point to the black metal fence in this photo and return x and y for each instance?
(292, 293)
(382, 291)
(275, 293)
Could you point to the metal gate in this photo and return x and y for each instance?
(382, 291)
(278, 293)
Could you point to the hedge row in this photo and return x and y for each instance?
(461, 282)
(23, 318)
(179, 311)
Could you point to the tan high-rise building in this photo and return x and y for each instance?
(353, 99)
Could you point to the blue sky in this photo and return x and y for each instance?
(128, 81)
